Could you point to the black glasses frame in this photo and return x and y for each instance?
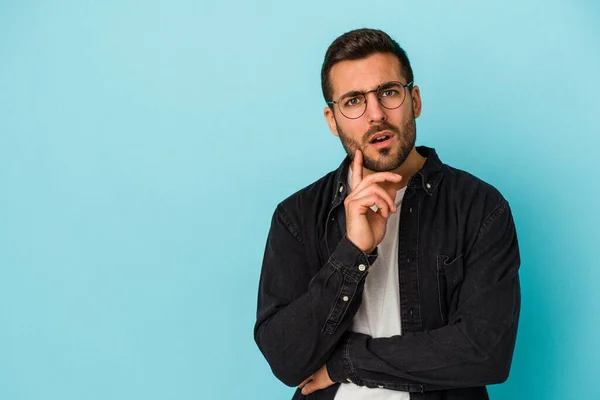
(364, 94)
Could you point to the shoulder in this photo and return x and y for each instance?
(470, 188)
(317, 194)
(477, 202)
(457, 186)
(304, 212)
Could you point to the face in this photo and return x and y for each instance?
(398, 124)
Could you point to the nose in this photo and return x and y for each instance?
(375, 112)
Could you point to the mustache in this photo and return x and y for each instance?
(384, 126)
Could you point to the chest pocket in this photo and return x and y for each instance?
(450, 274)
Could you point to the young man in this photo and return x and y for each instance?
(394, 276)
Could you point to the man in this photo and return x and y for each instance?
(394, 276)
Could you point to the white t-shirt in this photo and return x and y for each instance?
(379, 313)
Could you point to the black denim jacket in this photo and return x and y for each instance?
(458, 262)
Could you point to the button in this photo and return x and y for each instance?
(380, 386)
(410, 311)
(410, 209)
(345, 298)
(428, 186)
(341, 189)
(349, 380)
(362, 267)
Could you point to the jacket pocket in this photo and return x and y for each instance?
(450, 275)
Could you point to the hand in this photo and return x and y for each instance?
(365, 227)
(317, 381)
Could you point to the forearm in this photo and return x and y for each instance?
(300, 318)
(469, 352)
(476, 346)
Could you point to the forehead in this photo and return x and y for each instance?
(364, 74)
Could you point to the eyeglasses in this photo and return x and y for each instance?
(391, 95)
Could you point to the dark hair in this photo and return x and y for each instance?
(357, 44)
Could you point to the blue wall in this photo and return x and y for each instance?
(145, 144)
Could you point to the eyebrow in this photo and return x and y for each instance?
(352, 93)
(386, 85)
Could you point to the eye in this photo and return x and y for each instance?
(353, 101)
(389, 93)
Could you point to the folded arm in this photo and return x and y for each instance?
(304, 307)
(476, 346)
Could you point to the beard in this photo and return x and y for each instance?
(388, 158)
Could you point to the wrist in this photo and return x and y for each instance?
(351, 260)
(361, 247)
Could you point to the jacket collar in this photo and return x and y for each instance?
(427, 178)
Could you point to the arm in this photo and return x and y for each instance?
(302, 315)
(476, 346)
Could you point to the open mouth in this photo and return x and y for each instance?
(380, 139)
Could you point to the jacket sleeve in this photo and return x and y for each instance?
(300, 318)
(474, 349)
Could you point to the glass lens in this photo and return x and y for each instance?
(352, 106)
(391, 95)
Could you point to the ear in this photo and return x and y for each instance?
(330, 118)
(416, 100)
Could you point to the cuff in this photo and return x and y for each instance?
(352, 261)
(338, 365)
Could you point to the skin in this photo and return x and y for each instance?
(376, 173)
(393, 166)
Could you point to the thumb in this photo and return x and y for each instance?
(307, 389)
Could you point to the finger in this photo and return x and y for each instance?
(379, 206)
(374, 189)
(357, 169)
(365, 203)
(377, 190)
(378, 177)
(308, 389)
(319, 383)
(304, 382)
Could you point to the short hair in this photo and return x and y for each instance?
(357, 44)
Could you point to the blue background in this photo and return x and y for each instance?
(144, 146)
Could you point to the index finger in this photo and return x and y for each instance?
(357, 172)
(304, 382)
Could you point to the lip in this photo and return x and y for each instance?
(386, 142)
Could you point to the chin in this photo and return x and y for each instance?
(382, 165)
(385, 163)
